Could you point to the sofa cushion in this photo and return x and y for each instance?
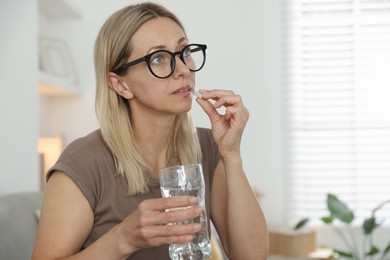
(18, 224)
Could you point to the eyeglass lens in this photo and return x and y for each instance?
(162, 62)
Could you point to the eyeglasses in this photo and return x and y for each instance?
(162, 63)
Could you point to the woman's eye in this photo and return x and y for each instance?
(160, 59)
(187, 52)
(157, 60)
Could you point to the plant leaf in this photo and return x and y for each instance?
(369, 225)
(344, 253)
(373, 251)
(380, 206)
(339, 210)
(327, 220)
(301, 223)
(386, 251)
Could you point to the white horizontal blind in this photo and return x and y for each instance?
(338, 105)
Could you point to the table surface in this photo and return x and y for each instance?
(319, 254)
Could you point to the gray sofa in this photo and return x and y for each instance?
(18, 224)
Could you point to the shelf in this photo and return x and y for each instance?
(50, 85)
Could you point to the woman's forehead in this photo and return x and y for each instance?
(158, 32)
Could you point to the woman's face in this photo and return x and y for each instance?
(172, 95)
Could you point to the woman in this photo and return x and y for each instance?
(102, 199)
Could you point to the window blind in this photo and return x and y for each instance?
(337, 105)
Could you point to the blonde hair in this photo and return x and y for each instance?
(112, 49)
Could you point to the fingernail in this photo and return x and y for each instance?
(193, 200)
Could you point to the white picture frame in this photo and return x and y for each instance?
(55, 58)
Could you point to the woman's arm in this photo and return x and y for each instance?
(235, 210)
(65, 223)
(67, 220)
(237, 215)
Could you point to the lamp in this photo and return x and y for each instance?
(49, 149)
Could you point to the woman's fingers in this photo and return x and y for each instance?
(227, 126)
(215, 93)
(158, 241)
(168, 210)
(224, 98)
(180, 214)
(166, 203)
(167, 234)
(163, 221)
(228, 101)
(171, 230)
(167, 220)
(209, 109)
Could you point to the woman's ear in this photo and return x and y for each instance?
(120, 86)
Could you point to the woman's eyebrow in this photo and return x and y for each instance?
(182, 39)
(163, 47)
(157, 47)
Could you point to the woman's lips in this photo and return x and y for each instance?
(183, 91)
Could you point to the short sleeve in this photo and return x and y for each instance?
(86, 161)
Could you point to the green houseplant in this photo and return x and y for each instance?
(339, 211)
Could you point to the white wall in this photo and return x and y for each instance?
(19, 96)
(244, 54)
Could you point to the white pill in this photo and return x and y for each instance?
(197, 93)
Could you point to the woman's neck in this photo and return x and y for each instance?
(154, 135)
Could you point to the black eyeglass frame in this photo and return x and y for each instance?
(146, 59)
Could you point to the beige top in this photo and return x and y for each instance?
(89, 162)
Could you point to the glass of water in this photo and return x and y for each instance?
(188, 180)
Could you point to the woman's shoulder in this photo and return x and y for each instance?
(89, 163)
(90, 145)
(86, 154)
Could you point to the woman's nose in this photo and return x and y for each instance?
(180, 68)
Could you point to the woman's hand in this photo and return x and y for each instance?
(227, 128)
(231, 192)
(148, 226)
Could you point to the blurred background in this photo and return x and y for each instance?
(314, 75)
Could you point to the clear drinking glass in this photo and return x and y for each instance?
(188, 180)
